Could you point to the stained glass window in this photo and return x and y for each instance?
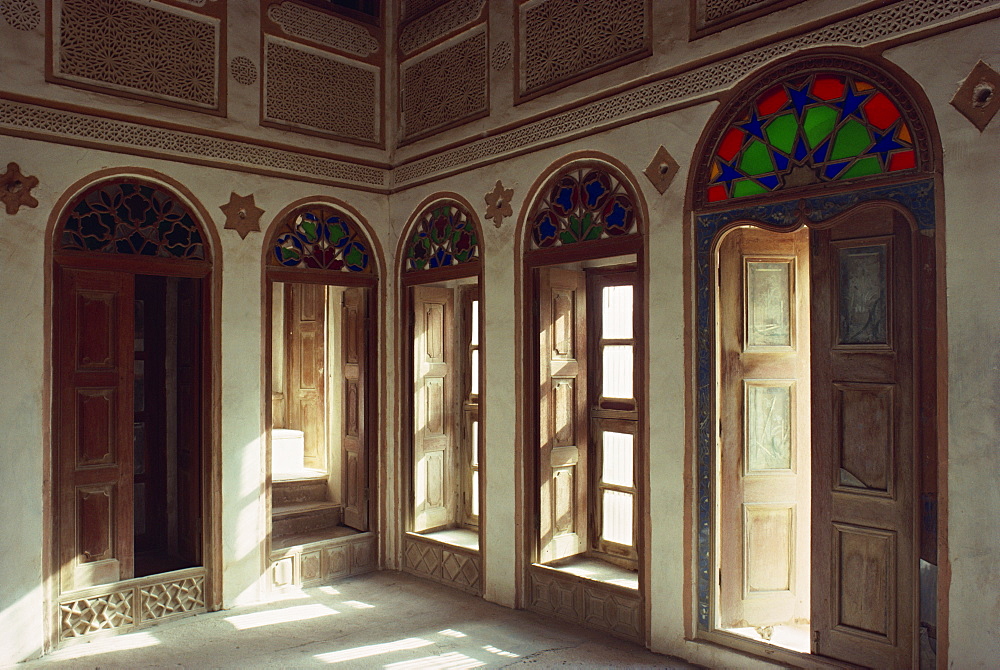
(583, 203)
(820, 127)
(132, 218)
(443, 236)
(323, 238)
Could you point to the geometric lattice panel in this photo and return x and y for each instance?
(323, 561)
(167, 598)
(446, 87)
(101, 612)
(713, 12)
(310, 90)
(564, 39)
(144, 48)
(614, 609)
(447, 564)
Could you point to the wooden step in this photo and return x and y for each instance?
(305, 517)
(298, 491)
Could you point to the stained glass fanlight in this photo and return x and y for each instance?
(814, 128)
(132, 218)
(444, 235)
(321, 237)
(583, 204)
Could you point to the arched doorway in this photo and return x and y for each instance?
(816, 374)
(321, 284)
(441, 277)
(585, 441)
(132, 391)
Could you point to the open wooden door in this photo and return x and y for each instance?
(562, 415)
(305, 328)
(354, 438)
(763, 317)
(189, 420)
(95, 430)
(433, 396)
(864, 561)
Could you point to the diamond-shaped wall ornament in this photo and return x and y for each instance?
(662, 169)
(978, 98)
(242, 214)
(15, 189)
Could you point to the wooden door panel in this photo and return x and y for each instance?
(190, 356)
(434, 429)
(305, 328)
(763, 428)
(563, 419)
(93, 380)
(863, 441)
(354, 438)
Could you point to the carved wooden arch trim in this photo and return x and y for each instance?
(605, 218)
(132, 212)
(749, 154)
(332, 262)
(443, 236)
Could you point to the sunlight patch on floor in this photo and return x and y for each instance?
(286, 615)
(447, 632)
(500, 652)
(358, 605)
(108, 645)
(372, 650)
(450, 661)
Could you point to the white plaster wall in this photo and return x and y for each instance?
(972, 274)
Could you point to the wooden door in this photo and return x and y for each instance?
(305, 328)
(433, 398)
(562, 413)
(764, 428)
(354, 438)
(94, 450)
(189, 420)
(864, 561)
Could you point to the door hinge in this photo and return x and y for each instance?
(720, 578)
(367, 494)
(815, 641)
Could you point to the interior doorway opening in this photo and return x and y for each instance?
(763, 442)
(318, 471)
(167, 458)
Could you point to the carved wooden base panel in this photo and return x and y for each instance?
(325, 561)
(613, 609)
(123, 606)
(454, 566)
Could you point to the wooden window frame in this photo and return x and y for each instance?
(469, 405)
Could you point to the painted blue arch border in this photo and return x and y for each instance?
(917, 197)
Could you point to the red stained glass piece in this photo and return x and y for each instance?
(717, 193)
(731, 143)
(880, 111)
(828, 87)
(904, 160)
(772, 101)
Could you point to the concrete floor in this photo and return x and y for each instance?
(380, 620)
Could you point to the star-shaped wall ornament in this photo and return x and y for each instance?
(15, 189)
(661, 170)
(242, 214)
(498, 203)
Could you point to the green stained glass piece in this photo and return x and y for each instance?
(354, 257)
(336, 233)
(852, 140)
(309, 230)
(865, 166)
(746, 187)
(756, 159)
(781, 132)
(818, 123)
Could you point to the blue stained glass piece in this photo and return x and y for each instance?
(565, 199)
(595, 189)
(800, 98)
(546, 228)
(728, 173)
(616, 218)
(780, 160)
(753, 126)
(851, 104)
(770, 181)
(884, 144)
(820, 154)
(433, 263)
(800, 151)
(833, 169)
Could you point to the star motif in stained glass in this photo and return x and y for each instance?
(728, 173)
(753, 126)
(800, 98)
(851, 104)
(884, 144)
